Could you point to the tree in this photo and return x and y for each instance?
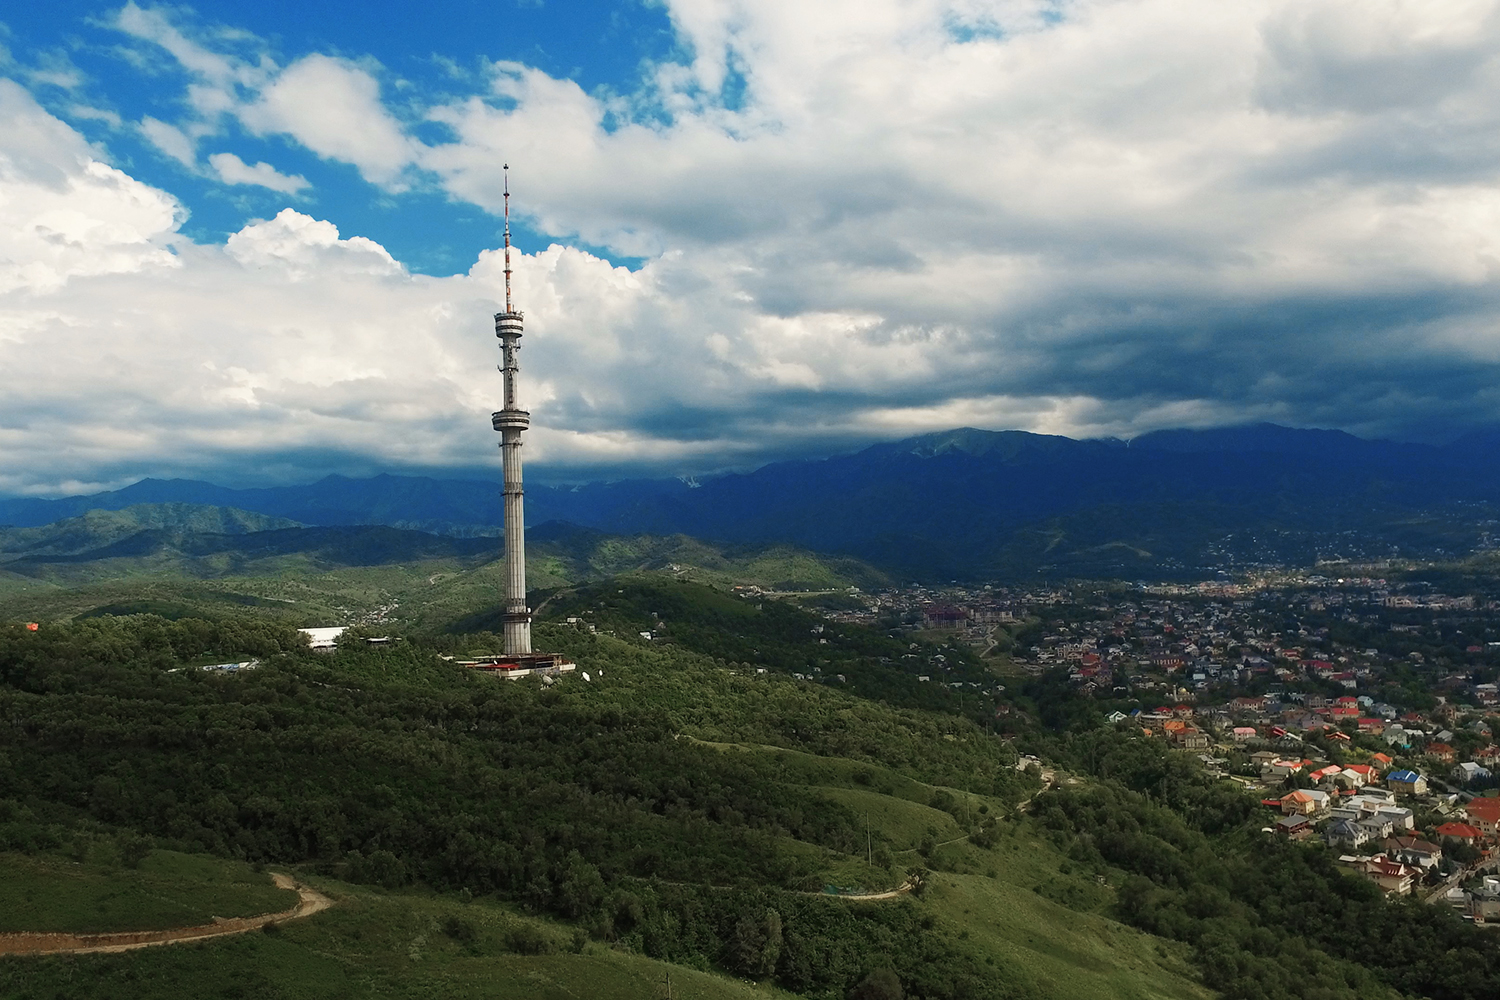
(882, 984)
(756, 944)
(582, 887)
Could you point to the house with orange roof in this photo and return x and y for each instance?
(1304, 802)
(1440, 752)
(1328, 773)
(1382, 761)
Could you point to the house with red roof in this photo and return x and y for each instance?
(1485, 813)
(1392, 876)
(1464, 833)
(1413, 851)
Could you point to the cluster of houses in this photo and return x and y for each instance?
(1376, 833)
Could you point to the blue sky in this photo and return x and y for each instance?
(602, 46)
(258, 243)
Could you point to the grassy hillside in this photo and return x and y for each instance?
(104, 891)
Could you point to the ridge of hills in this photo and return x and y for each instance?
(180, 560)
(971, 504)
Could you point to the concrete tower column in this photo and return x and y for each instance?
(511, 422)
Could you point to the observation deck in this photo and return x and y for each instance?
(510, 420)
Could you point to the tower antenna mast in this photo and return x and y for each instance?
(506, 174)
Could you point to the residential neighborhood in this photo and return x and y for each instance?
(1362, 711)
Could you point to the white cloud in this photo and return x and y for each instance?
(333, 108)
(65, 215)
(233, 170)
(88, 113)
(1097, 217)
(170, 140)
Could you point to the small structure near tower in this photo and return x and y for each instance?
(518, 660)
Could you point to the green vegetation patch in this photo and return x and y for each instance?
(378, 944)
(1059, 951)
(99, 894)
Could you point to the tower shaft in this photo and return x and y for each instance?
(511, 422)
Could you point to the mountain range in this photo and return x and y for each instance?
(968, 503)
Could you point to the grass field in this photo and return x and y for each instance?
(903, 822)
(1062, 952)
(375, 944)
(50, 893)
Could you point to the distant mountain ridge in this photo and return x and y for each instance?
(970, 503)
(192, 541)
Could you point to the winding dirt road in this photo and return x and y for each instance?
(26, 943)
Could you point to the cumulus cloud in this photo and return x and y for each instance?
(857, 220)
(330, 105)
(65, 215)
(333, 108)
(233, 170)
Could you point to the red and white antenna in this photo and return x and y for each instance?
(507, 236)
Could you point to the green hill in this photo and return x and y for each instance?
(514, 839)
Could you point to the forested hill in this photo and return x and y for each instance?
(974, 504)
(690, 801)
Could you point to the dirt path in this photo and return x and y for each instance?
(23, 943)
(900, 890)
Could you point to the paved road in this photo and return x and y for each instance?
(1436, 895)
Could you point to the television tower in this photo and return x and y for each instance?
(511, 422)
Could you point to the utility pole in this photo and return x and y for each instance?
(869, 850)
